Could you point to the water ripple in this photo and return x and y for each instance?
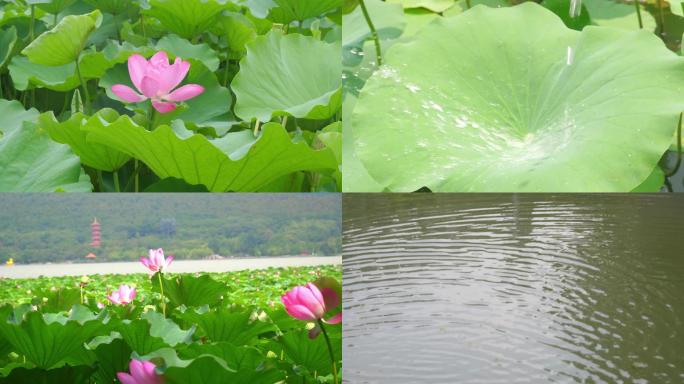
(513, 288)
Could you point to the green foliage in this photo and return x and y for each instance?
(64, 43)
(63, 57)
(515, 116)
(235, 340)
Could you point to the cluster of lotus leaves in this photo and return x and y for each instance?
(510, 99)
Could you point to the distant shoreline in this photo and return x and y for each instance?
(35, 270)
(208, 258)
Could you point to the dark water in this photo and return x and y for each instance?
(513, 288)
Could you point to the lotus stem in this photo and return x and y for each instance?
(256, 127)
(662, 17)
(330, 351)
(84, 85)
(638, 12)
(161, 289)
(283, 121)
(81, 294)
(33, 21)
(54, 24)
(374, 33)
(100, 182)
(679, 149)
(115, 175)
(136, 179)
(468, 4)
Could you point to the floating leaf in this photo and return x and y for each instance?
(514, 116)
(64, 43)
(288, 75)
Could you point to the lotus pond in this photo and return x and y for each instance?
(170, 95)
(497, 95)
(210, 328)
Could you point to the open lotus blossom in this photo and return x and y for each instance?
(156, 261)
(142, 372)
(308, 303)
(123, 296)
(156, 79)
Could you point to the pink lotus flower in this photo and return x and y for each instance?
(156, 261)
(123, 296)
(156, 79)
(308, 303)
(142, 372)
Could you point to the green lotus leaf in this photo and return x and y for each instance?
(238, 30)
(46, 340)
(186, 18)
(236, 162)
(618, 15)
(62, 44)
(432, 5)
(416, 19)
(74, 133)
(61, 78)
(31, 162)
(191, 291)
(513, 115)
(247, 363)
(462, 6)
(312, 354)
(388, 20)
(13, 114)
(8, 37)
(54, 6)
(213, 102)
(177, 46)
(206, 369)
(79, 374)
(677, 7)
(288, 75)
(111, 6)
(287, 11)
(136, 334)
(112, 356)
(222, 324)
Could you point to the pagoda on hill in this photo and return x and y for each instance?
(95, 238)
(95, 233)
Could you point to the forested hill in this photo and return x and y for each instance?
(57, 227)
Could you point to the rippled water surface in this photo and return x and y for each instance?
(513, 289)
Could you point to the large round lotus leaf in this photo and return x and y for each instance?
(287, 11)
(186, 18)
(288, 75)
(62, 44)
(486, 101)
